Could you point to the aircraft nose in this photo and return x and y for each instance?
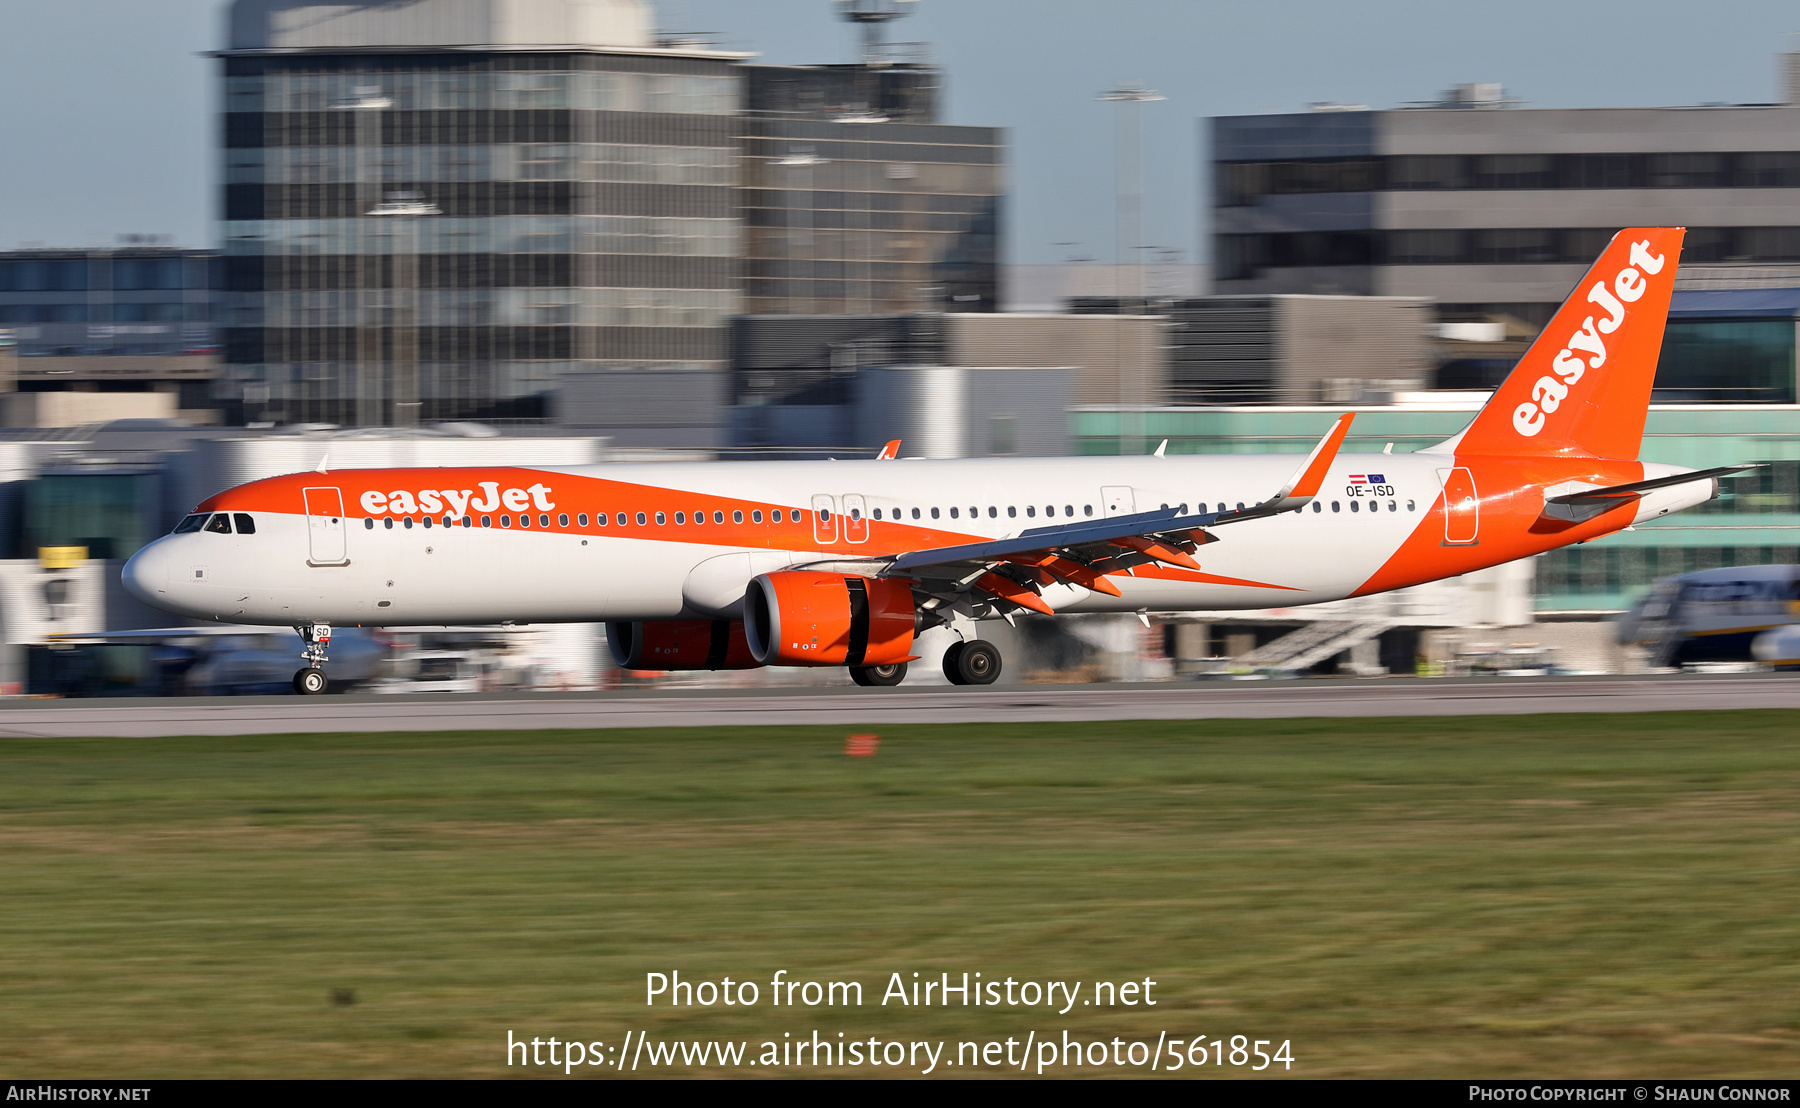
(146, 573)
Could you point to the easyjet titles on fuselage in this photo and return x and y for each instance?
(402, 502)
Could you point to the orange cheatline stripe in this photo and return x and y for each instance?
(1170, 573)
(576, 493)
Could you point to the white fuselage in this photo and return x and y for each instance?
(396, 570)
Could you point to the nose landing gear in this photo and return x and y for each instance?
(317, 637)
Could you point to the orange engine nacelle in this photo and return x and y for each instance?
(801, 618)
(680, 644)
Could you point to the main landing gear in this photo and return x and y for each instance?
(311, 681)
(972, 663)
(878, 676)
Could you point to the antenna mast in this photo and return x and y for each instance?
(873, 14)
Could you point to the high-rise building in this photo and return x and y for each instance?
(434, 209)
(857, 200)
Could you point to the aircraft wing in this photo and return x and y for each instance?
(1579, 507)
(1015, 569)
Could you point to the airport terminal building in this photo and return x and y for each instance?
(1490, 209)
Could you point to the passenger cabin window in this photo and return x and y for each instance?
(934, 513)
(563, 519)
(191, 524)
(245, 525)
(737, 517)
(219, 524)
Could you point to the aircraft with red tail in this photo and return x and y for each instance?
(845, 563)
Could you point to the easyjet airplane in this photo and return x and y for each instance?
(844, 563)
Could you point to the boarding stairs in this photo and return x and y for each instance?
(1311, 644)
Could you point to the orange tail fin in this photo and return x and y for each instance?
(1584, 386)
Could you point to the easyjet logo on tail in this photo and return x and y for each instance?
(1586, 348)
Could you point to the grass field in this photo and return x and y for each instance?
(1527, 896)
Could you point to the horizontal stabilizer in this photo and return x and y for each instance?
(1579, 507)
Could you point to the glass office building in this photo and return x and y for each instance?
(420, 230)
(858, 201)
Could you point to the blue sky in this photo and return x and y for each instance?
(109, 125)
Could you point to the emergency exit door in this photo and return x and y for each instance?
(1119, 500)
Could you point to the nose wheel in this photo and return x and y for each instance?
(972, 663)
(311, 681)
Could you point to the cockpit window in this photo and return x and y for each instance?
(245, 525)
(220, 524)
(190, 524)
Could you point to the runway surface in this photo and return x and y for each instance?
(854, 707)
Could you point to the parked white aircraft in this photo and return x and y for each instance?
(843, 563)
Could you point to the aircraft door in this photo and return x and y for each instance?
(1462, 507)
(325, 527)
(856, 518)
(825, 524)
(1119, 500)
